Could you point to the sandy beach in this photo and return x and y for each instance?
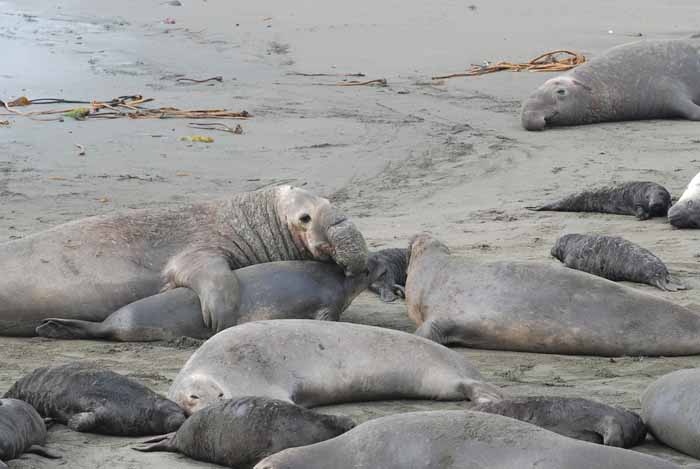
(444, 156)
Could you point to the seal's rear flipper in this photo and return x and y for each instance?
(68, 329)
(535, 208)
(41, 451)
(669, 284)
(159, 443)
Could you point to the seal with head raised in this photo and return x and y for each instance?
(313, 363)
(539, 307)
(642, 199)
(254, 428)
(614, 258)
(22, 430)
(685, 213)
(90, 268)
(655, 79)
(456, 440)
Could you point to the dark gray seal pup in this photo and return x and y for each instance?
(642, 199)
(22, 430)
(90, 268)
(275, 290)
(539, 307)
(391, 275)
(253, 428)
(614, 258)
(574, 417)
(87, 399)
(685, 213)
(457, 440)
(671, 410)
(640, 80)
(313, 363)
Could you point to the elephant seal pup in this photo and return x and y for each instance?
(574, 417)
(639, 80)
(642, 199)
(686, 212)
(275, 290)
(22, 430)
(90, 268)
(614, 258)
(313, 363)
(254, 428)
(456, 440)
(91, 400)
(539, 307)
(391, 277)
(671, 410)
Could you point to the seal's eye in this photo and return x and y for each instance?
(305, 218)
(561, 92)
(194, 396)
(689, 203)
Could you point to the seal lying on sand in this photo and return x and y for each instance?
(391, 277)
(22, 430)
(275, 290)
(642, 199)
(456, 440)
(313, 363)
(254, 428)
(574, 417)
(90, 268)
(686, 212)
(671, 410)
(640, 80)
(90, 400)
(538, 307)
(615, 259)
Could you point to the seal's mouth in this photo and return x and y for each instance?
(548, 119)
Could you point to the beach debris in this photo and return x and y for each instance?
(238, 130)
(197, 139)
(169, 20)
(103, 200)
(192, 80)
(21, 101)
(377, 82)
(4, 123)
(182, 174)
(81, 149)
(173, 3)
(359, 75)
(79, 113)
(56, 178)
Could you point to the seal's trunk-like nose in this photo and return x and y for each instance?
(348, 246)
(532, 120)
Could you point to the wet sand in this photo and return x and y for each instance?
(445, 156)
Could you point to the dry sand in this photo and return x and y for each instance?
(448, 157)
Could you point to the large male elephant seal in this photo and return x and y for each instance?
(614, 258)
(22, 430)
(275, 290)
(313, 363)
(685, 213)
(91, 400)
(252, 428)
(90, 268)
(641, 80)
(456, 440)
(538, 307)
(671, 410)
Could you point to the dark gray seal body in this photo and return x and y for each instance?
(275, 290)
(22, 430)
(252, 429)
(456, 440)
(313, 363)
(539, 307)
(578, 418)
(642, 199)
(685, 213)
(654, 79)
(671, 410)
(90, 268)
(614, 258)
(391, 276)
(87, 399)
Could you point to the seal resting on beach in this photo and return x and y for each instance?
(22, 430)
(312, 363)
(539, 307)
(650, 79)
(685, 213)
(275, 290)
(254, 428)
(614, 258)
(89, 268)
(390, 279)
(88, 399)
(456, 440)
(642, 199)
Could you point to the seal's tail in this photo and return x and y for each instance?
(159, 443)
(69, 329)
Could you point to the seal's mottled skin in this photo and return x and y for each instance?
(574, 417)
(22, 430)
(685, 213)
(651, 79)
(90, 268)
(457, 440)
(642, 199)
(254, 428)
(393, 263)
(91, 400)
(614, 258)
(313, 363)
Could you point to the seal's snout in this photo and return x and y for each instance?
(533, 120)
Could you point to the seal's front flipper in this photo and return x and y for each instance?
(641, 213)
(433, 330)
(69, 329)
(41, 451)
(83, 422)
(159, 443)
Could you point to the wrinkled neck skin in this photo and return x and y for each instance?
(560, 246)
